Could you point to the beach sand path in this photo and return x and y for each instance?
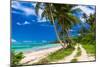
(34, 57)
(70, 57)
(84, 56)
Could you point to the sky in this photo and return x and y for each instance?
(29, 27)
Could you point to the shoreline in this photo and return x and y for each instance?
(35, 56)
(31, 50)
(28, 50)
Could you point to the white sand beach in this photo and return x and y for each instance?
(33, 56)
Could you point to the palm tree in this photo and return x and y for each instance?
(66, 18)
(48, 14)
(88, 35)
(85, 16)
(16, 58)
(62, 14)
(92, 21)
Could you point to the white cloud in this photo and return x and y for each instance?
(29, 11)
(85, 10)
(26, 10)
(82, 19)
(18, 23)
(26, 22)
(13, 40)
(40, 19)
(16, 5)
(34, 4)
(16, 12)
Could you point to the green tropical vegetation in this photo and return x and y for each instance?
(16, 58)
(55, 56)
(78, 54)
(88, 36)
(74, 60)
(91, 49)
(63, 19)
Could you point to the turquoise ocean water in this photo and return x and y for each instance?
(26, 47)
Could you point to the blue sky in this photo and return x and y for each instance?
(28, 27)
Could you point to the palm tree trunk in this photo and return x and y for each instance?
(62, 44)
(67, 36)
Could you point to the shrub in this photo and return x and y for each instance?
(16, 58)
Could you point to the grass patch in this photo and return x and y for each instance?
(74, 60)
(43, 61)
(79, 52)
(58, 55)
(91, 49)
(77, 55)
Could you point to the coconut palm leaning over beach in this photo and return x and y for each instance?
(60, 16)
